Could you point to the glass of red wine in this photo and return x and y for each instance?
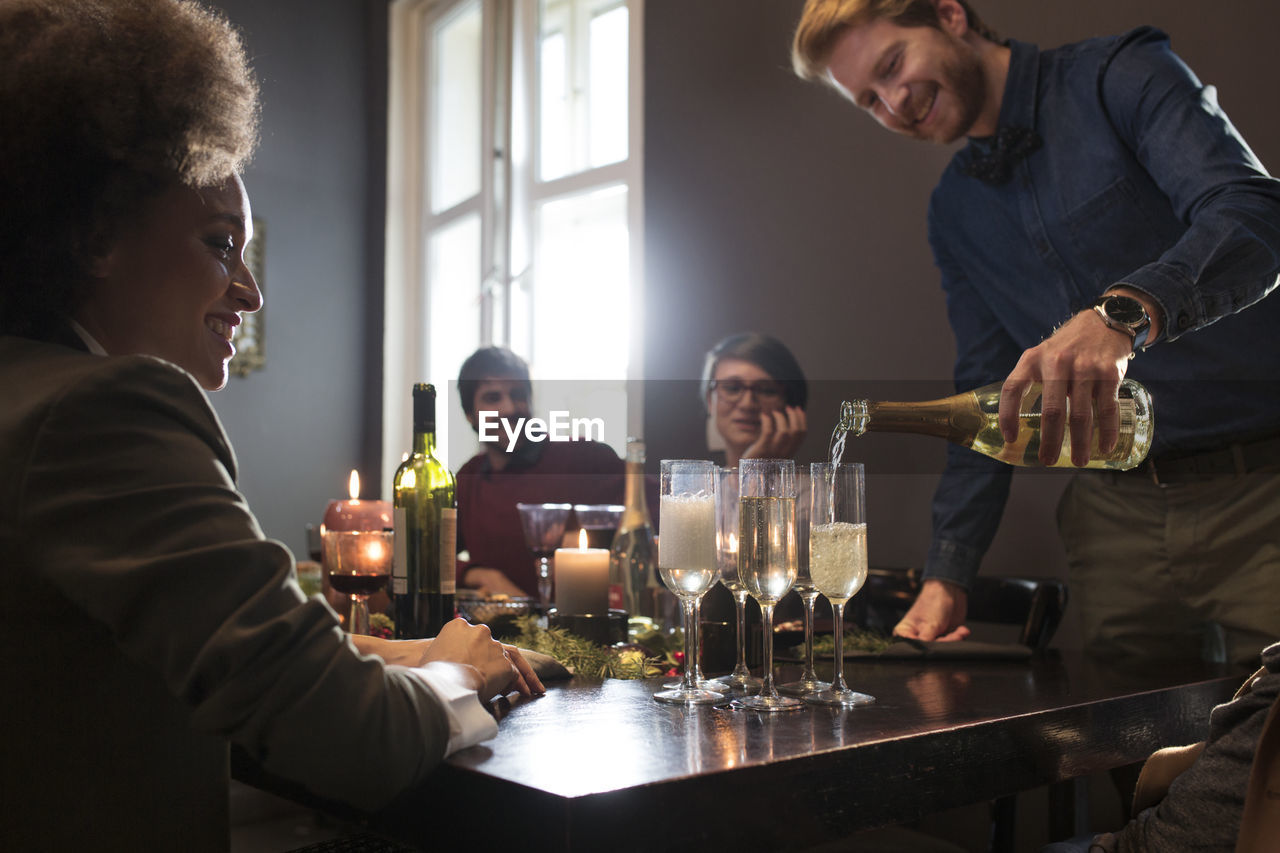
(600, 521)
(359, 565)
(543, 526)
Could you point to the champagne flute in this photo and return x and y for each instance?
(687, 559)
(808, 682)
(727, 561)
(838, 557)
(767, 556)
(359, 564)
(543, 526)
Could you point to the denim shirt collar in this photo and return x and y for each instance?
(1018, 104)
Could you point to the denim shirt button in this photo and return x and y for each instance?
(1184, 320)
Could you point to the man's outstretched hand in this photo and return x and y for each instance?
(937, 614)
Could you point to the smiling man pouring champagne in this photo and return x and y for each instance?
(1104, 208)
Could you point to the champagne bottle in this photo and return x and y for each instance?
(971, 420)
(425, 567)
(633, 556)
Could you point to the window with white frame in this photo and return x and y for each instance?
(514, 200)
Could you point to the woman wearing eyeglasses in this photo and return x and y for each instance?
(755, 393)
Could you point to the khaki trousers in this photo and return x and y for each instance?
(1163, 573)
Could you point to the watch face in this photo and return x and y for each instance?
(1125, 309)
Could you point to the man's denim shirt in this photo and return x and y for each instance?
(1141, 179)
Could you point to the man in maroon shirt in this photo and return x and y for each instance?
(495, 381)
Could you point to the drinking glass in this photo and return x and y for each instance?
(727, 561)
(359, 564)
(600, 521)
(767, 556)
(687, 559)
(543, 529)
(838, 557)
(808, 682)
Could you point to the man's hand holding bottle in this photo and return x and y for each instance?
(1082, 362)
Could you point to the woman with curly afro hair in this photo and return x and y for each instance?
(146, 621)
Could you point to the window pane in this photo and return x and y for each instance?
(453, 306)
(582, 286)
(608, 87)
(520, 306)
(556, 142)
(583, 91)
(455, 108)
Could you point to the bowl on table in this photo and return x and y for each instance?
(498, 612)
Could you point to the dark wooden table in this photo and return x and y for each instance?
(600, 765)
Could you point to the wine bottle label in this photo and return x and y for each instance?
(448, 550)
(400, 559)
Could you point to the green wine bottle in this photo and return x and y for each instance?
(424, 574)
(971, 420)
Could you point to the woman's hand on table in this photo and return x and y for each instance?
(490, 582)
(399, 652)
(471, 645)
(500, 667)
(781, 433)
(938, 613)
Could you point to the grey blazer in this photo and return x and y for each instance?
(145, 622)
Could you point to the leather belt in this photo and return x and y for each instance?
(1234, 460)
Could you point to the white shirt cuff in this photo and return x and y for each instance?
(469, 722)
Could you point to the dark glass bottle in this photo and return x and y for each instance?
(424, 575)
(633, 556)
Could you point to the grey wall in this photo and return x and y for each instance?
(304, 422)
(772, 204)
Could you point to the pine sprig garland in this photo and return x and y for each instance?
(581, 656)
(855, 639)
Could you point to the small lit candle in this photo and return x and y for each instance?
(375, 554)
(355, 514)
(358, 552)
(582, 579)
(352, 515)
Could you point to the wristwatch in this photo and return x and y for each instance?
(1125, 314)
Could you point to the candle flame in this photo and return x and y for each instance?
(353, 485)
(733, 543)
(582, 538)
(375, 551)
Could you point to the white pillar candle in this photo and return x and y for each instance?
(582, 579)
